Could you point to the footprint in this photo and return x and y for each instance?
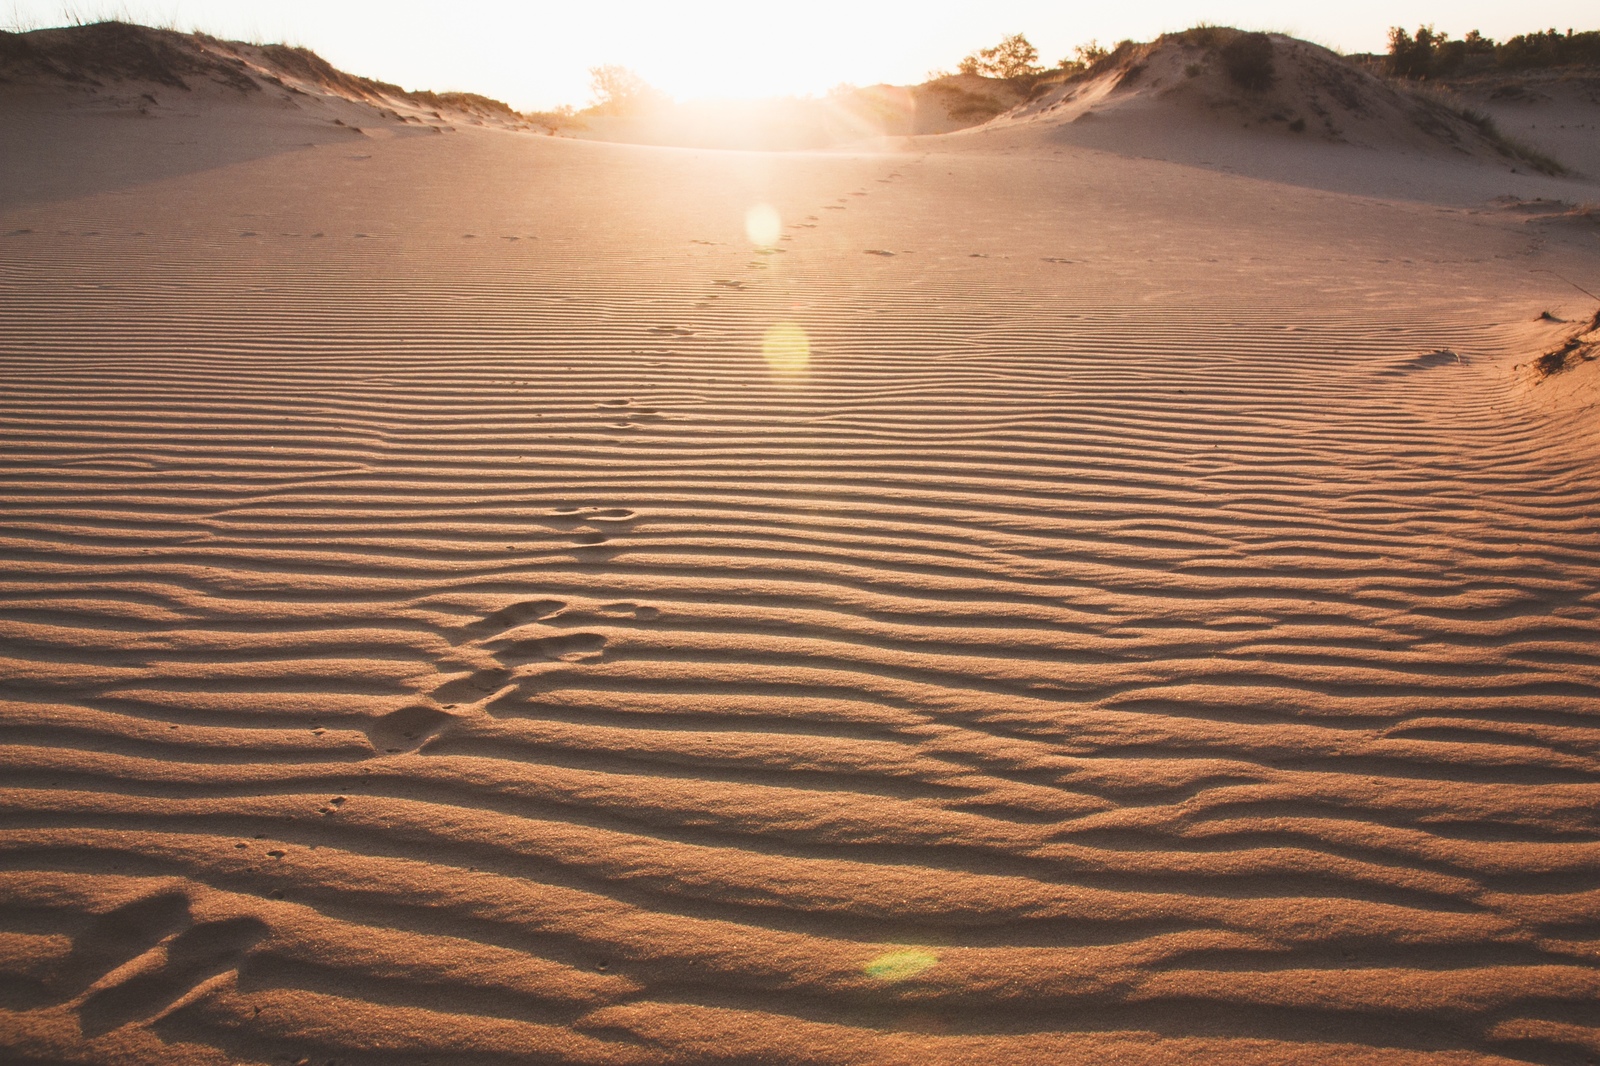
(593, 514)
(407, 729)
(674, 331)
(113, 939)
(879, 251)
(1053, 259)
(728, 284)
(590, 540)
(630, 610)
(563, 647)
(473, 687)
(614, 403)
(162, 975)
(517, 614)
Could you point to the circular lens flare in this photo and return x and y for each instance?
(762, 225)
(787, 349)
(900, 965)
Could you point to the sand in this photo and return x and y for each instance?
(463, 603)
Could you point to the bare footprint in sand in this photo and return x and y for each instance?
(517, 614)
(114, 938)
(629, 610)
(472, 688)
(143, 988)
(561, 647)
(408, 728)
(593, 514)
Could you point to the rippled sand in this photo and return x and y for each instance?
(463, 603)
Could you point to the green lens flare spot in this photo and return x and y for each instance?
(787, 350)
(900, 965)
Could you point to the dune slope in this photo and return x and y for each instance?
(463, 603)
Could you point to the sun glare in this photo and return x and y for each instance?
(762, 225)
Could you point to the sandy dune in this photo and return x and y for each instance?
(464, 604)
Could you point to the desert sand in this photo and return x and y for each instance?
(1083, 594)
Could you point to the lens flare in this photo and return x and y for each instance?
(787, 349)
(900, 965)
(762, 225)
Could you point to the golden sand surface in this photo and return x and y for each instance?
(464, 602)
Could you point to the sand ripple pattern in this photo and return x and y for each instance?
(477, 666)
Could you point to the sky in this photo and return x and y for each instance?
(537, 55)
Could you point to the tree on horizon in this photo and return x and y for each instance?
(1014, 57)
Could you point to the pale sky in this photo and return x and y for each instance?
(536, 55)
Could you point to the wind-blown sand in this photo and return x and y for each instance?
(1158, 621)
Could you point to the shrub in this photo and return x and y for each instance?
(1412, 57)
(1013, 57)
(1205, 35)
(1248, 60)
(619, 91)
(1549, 49)
(1083, 57)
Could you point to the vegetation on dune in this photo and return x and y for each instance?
(1550, 49)
(91, 53)
(620, 91)
(1248, 60)
(118, 50)
(1507, 146)
(1013, 57)
(1429, 53)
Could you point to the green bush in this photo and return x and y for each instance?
(1549, 49)
(1248, 60)
(1013, 57)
